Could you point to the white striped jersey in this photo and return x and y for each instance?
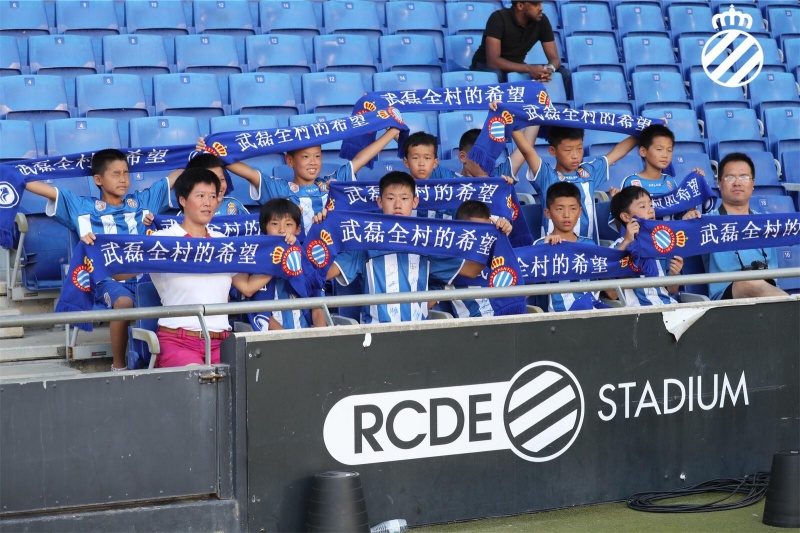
(649, 295)
(278, 289)
(84, 214)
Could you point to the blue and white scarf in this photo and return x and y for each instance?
(243, 225)
(512, 116)
(697, 236)
(572, 261)
(126, 254)
(694, 190)
(470, 97)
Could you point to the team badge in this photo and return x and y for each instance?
(502, 275)
(80, 276)
(745, 47)
(8, 195)
(330, 205)
(544, 98)
(513, 206)
(261, 322)
(638, 183)
(497, 129)
(290, 259)
(664, 239)
(370, 106)
(317, 250)
(218, 149)
(232, 209)
(583, 173)
(396, 114)
(626, 262)
(293, 187)
(561, 176)
(100, 205)
(133, 204)
(669, 185)
(383, 114)
(508, 118)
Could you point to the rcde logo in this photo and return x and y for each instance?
(746, 59)
(544, 411)
(8, 196)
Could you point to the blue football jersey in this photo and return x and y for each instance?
(278, 289)
(665, 185)
(648, 295)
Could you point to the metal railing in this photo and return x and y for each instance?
(325, 302)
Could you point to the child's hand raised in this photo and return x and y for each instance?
(509, 180)
(504, 225)
(612, 191)
(675, 266)
(553, 239)
(291, 238)
(699, 171)
(148, 218)
(319, 217)
(89, 238)
(493, 105)
(201, 144)
(690, 214)
(631, 230)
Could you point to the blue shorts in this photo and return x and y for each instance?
(109, 290)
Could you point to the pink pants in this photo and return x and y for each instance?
(178, 349)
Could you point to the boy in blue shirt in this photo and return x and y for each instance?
(386, 272)
(566, 145)
(564, 211)
(115, 212)
(280, 216)
(630, 202)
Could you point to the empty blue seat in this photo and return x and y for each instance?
(648, 53)
(420, 18)
(296, 17)
(410, 52)
(586, 18)
(784, 22)
(593, 53)
(223, 16)
(791, 166)
(770, 54)
(640, 18)
(402, 81)
(117, 96)
(86, 18)
(459, 50)
(789, 257)
(195, 95)
(772, 204)
(34, 98)
(19, 141)
(684, 125)
(145, 55)
(210, 54)
(81, 135)
(689, 19)
(345, 53)
(453, 125)
(555, 88)
(601, 90)
(782, 127)
(23, 19)
(627, 166)
(263, 93)
(736, 128)
(751, 9)
(659, 89)
(10, 61)
(773, 89)
(533, 214)
(690, 50)
(138, 355)
(263, 163)
(47, 248)
(285, 54)
(468, 77)
(67, 56)
(685, 162)
(167, 19)
(354, 17)
(164, 131)
(467, 17)
(334, 92)
(707, 94)
(598, 143)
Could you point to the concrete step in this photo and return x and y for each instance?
(50, 343)
(36, 369)
(14, 332)
(28, 307)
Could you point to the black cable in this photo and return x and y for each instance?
(753, 486)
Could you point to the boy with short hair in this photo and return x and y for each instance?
(420, 155)
(115, 212)
(386, 272)
(634, 201)
(564, 211)
(280, 216)
(566, 145)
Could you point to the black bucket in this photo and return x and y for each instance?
(337, 503)
(782, 508)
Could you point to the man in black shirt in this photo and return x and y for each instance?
(509, 36)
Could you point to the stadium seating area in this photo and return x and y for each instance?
(75, 76)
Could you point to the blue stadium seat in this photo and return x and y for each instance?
(34, 98)
(10, 61)
(379, 169)
(410, 52)
(773, 89)
(164, 131)
(227, 16)
(138, 355)
(690, 51)
(188, 94)
(737, 128)
(791, 166)
(67, 56)
(331, 148)
(209, 54)
(789, 257)
(167, 19)
(601, 90)
(453, 125)
(627, 166)
(646, 54)
(782, 128)
(296, 17)
(772, 204)
(23, 19)
(685, 162)
(401, 80)
(354, 17)
(19, 141)
(683, 124)
(689, 19)
(345, 53)
(278, 53)
(263, 163)
(81, 135)
(467, 17)
(468, 77)
(533, 214)
(458, 51)
(770, 53)
(586, 18)
(791, 53)
(659, 89)
(598, 143)
(593, 53)
(784, 22)
(551, 11)
(640, 19)
(604, 230)
(416, 122)
(145, 55)
(748, 8)
(694, 265)
(708, 94)
(263, 93)
(334, 92)
(416, 17)
(95, 19)
(117, 96)
(555, 88)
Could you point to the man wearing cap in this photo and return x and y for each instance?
(510, 34)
